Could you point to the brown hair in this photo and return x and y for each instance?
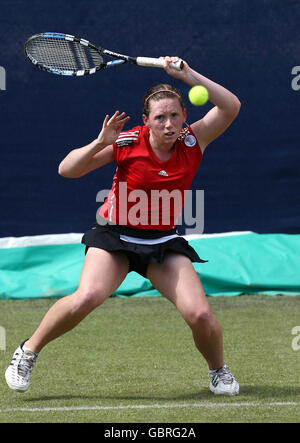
(159, 92)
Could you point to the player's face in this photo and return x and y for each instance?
(165, 120)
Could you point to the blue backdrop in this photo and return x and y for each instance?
(250, 175)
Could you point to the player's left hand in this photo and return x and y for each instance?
(174, 72)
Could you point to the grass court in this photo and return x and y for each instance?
(133, 360)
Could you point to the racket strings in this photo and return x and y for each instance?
(63, 54)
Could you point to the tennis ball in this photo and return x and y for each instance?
(198, 95)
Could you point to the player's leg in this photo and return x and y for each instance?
(177, 280)
(102, 274)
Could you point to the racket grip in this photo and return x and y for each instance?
(157, 63)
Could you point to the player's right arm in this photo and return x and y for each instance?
(99, 152)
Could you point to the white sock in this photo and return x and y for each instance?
(213, 371)
(27, 349)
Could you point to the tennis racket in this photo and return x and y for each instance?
(66, 54)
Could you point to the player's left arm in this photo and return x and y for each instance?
(219, 118)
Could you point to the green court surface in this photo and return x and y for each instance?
(133, 360)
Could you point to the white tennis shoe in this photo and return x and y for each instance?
(222, 382)
(18, 373)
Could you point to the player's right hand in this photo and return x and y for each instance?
(111, 128)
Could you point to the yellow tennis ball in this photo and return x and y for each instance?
(198, 95)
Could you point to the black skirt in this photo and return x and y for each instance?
(140, 255)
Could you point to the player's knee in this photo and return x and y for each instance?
(87, 300)
(199, 317)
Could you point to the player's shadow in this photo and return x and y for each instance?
(254, 392)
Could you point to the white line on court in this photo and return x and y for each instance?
(155, 406)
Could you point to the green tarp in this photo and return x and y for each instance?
(243, 263)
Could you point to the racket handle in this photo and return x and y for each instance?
(157, 63)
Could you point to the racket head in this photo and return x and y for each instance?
(63, 54)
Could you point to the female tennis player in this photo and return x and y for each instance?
(160, 155)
